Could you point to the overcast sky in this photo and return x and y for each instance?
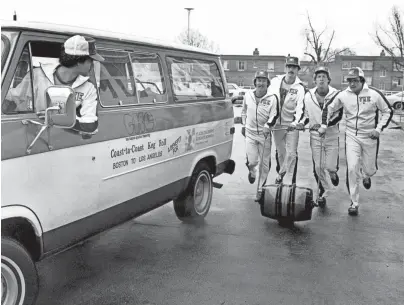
(237, 27)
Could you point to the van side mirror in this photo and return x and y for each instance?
(61, 111)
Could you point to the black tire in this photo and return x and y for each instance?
(185, 206)
(398, 106)
(18, 274)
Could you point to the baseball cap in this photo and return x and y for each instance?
(261, 73)
(321, 69)
(355, 72)
(82, 46)
(292, 61)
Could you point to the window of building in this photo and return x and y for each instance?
(242, 65)
(383, 73)
(226, 65)
(271, 66)
(382, 86)
(346, 65)
(367, 65)
(255, 64)
(397, 67)
(397, 81)
(203, 82)
(368, 80)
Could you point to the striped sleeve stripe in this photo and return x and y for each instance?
(337, 118)
(388, 105)
(304, 104)
(277, 112)
(325, 109)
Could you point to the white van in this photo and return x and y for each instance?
(165, 130)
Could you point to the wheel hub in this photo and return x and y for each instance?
(9, 285)
(201, 195)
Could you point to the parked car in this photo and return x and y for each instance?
(396, 100)
(234, 89)
(236, 93)
(248, 87)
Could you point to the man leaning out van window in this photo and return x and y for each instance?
(73, 70)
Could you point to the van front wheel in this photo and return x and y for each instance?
(19, 278)
(195, 202)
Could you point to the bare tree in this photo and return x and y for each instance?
(319, 45)
(391, 39)
(196, 39)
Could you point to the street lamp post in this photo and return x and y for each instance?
(189, 9)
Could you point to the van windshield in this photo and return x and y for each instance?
(7, 42)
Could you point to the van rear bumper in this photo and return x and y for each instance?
(227, 167)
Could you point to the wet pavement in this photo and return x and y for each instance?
(236, 256)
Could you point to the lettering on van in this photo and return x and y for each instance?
(138, 137)
(139, 122)
(203, 136)
(126, 150)
(120, 164)
(174, 146)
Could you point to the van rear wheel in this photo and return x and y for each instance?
(19, 278)
(195, 203)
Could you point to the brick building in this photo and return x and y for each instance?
(380, 71)
(240, 69)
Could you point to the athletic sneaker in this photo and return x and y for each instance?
(259, 195)
(334, 178)
(251, 179)
(353, 209)
(321, 201)
(367, 183)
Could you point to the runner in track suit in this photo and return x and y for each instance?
(361, 105)
(259, 114)
(290, 91)
(314, 102)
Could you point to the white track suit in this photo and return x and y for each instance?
(330, 152)
(286, 142)
(257, 115)
(362, 116)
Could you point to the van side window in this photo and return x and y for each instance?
(117, 86)
(194, 79)
(19, 96)
(43, 55)
(148, 77)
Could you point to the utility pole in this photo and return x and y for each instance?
(189, 9)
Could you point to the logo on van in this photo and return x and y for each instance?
(190, 139)
(139, 122)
